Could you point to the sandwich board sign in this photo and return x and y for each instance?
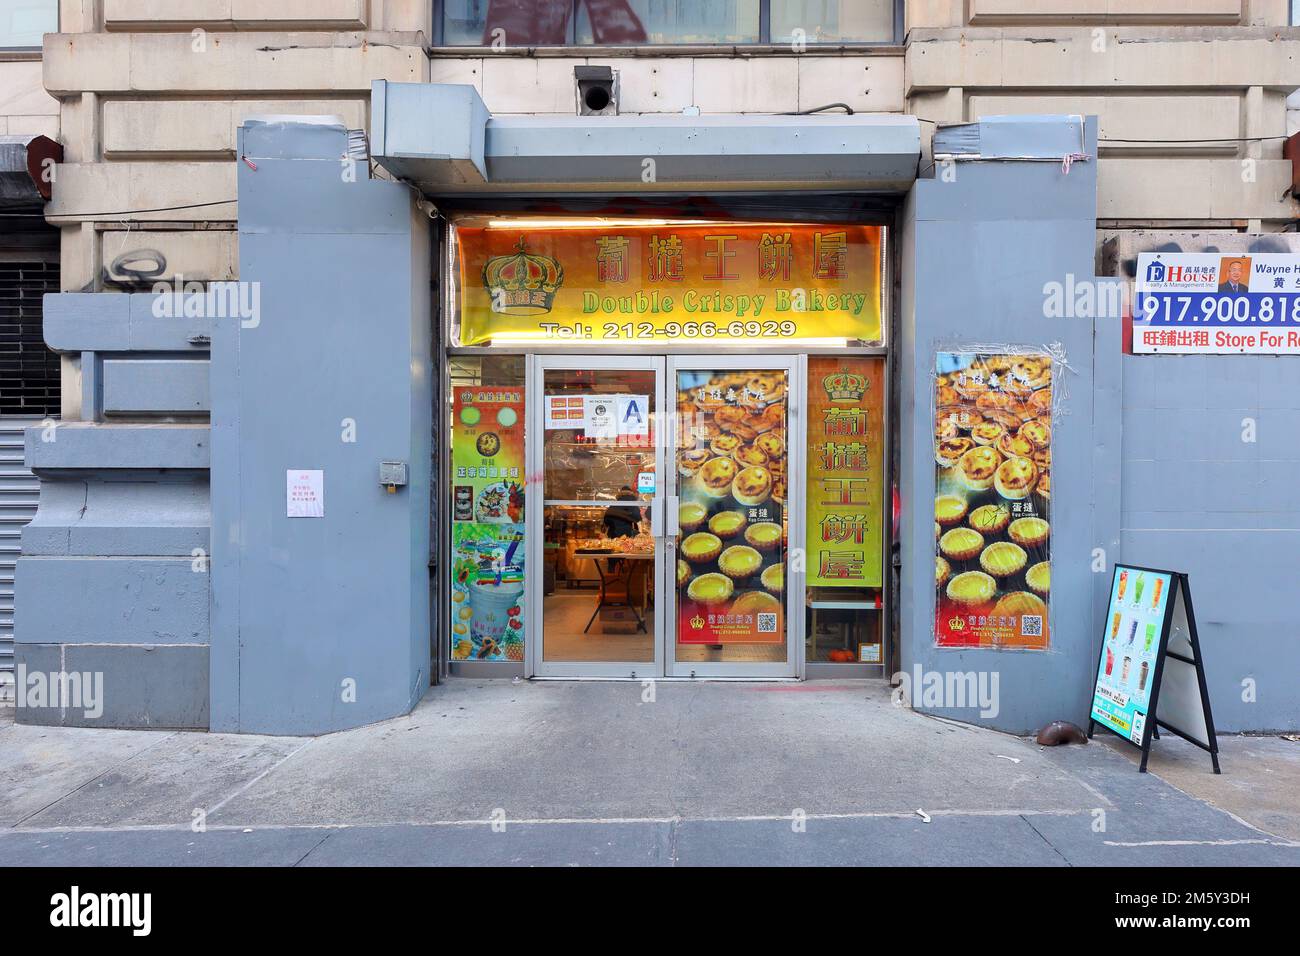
(1150, 673)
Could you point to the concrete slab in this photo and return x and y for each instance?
(170, 782)
(42, 765)
(595, 750)
(281, 847)
(549, 844)
(1259, 783)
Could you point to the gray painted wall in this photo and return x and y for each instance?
(113, 577)
(976, 253)
(301, 606)
(1197, 498)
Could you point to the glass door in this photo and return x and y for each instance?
(598, 467)
(732, 517)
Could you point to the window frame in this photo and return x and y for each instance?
(58, 20)
(764, 41)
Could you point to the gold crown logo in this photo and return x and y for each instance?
(697, 622)
(522, 283)
(845, 386)
(957, 623)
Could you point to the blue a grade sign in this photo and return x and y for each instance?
(1135, 623)
(1217, 303)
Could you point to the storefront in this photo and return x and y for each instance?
(667, 452)
(600, 397)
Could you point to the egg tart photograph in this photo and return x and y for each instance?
(1033, 372)
(946, 428)
(961, 544)
(730, 416)
(716, 476)
(977, 467)
(683, 572)
(752, 486)
(950, 449)
(990, 519)
(1019, 603)
(1044, 488)
(1036, 432)
(724, 445)
(778, 490)
(744, 431)
(1043, 459)
(949, 509)
(756, 602)
(700, 547)
(763, 535)
(772, 445)
(690, 515)
(690, 461)
(711, 588)
(751, 455)
(942, 570)
(1039, 578)
(771, 417)
(971, 588)
(1015, 478)
(727, 524)
(946, 395)
(1003, 559)
(739, 562)
(986, 433)
(1029, 532)
(773, 578)
(1041, 402)
(991, 402)
(1015, 446)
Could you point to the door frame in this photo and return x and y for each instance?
(536, 664)
(795, 366)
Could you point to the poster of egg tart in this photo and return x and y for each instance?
(731, 452)
(993, 463)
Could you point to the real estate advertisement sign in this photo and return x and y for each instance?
(487, 566)
(845, 471)
(624, 281)
(1202, 303)
(992, 507)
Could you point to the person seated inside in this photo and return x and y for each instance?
(622, 521)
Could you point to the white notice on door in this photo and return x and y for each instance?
(633, 415)
(601, 417)
(305, 494)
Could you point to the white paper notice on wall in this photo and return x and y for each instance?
(305, 494)
(633, 414)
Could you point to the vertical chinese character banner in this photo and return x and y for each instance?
(992, 506)
(845, 479)
(487, 561)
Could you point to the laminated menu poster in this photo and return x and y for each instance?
(487, 566)
(845, 431)
(1135, 621)
(992, 507)
(731, 472)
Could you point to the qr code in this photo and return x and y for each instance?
(767, 623)
(1031, 625)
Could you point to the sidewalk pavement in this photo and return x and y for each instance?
(490, 772)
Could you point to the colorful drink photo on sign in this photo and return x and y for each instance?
(1135, 622)
(992, 507)
(487, 495)
(845, 434)
(731, 473)
(523, 280)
